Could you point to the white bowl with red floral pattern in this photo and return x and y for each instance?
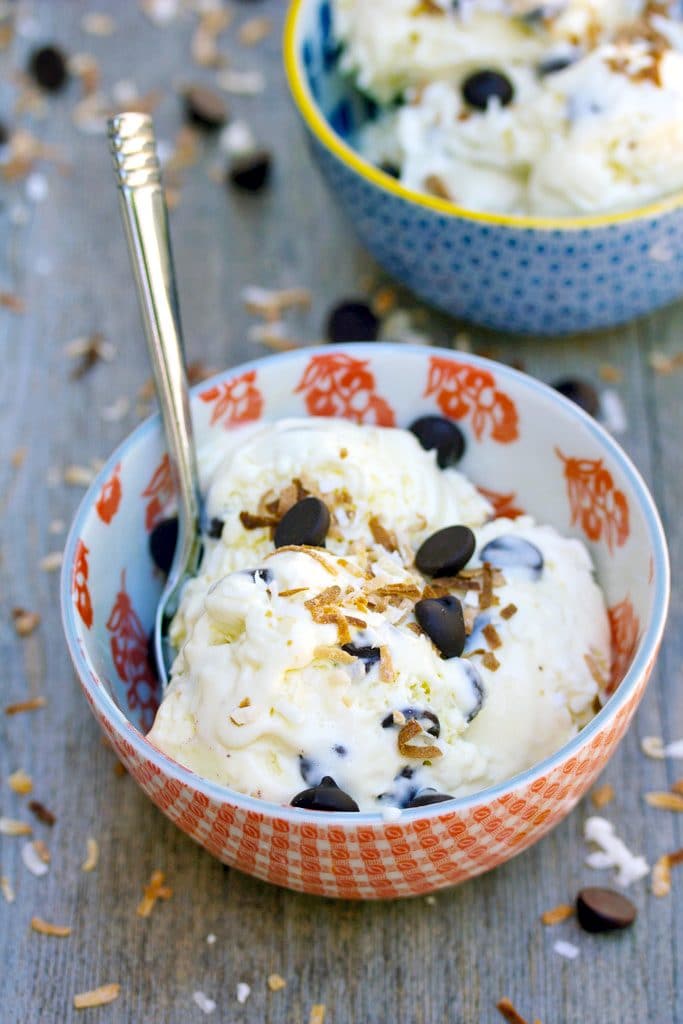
(528, 449)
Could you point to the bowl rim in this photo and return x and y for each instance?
(267, 809)
(320, 127)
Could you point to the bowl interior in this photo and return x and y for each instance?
(527, 447)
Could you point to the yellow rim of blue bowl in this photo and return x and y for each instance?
(321, 129)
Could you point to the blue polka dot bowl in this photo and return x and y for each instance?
(529, 275)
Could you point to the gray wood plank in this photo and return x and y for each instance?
(404, 962)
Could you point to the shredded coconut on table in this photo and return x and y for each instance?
(205, 1004)
(566, 949)
(243, 991)
(613, 852)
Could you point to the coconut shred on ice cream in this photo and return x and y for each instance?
(518, 106)
(363, 634)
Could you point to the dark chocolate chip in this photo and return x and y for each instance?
(251, 172)
(418, 714)
(4, 134)
(215, 529)
(339, 750)
(162, 542)
(581, 392)
(403, 789)
(483, 86)
(307, 522)
(391, 169)
(368, 655)
(427, 797)
(205, 108)
(478, 687)
(552, 65)
(327, 796)
(49, 68)
(512, 552)
(446, 552)
(603, 910)
(442, 434)
(352, 320)
(442, 620)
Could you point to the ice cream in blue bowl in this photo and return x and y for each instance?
(516, 165)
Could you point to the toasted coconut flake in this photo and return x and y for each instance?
(79, 476)
(156, 890)
(51, 562)
(676, 857)
(387, 672)
(19, 782)
(97, 996)
(653, 746)
(272, 303)
(276, 982)
(492, 636)
(120, 769)
(335, 654)
(293, 591)
(86, 68)
(32, 860)
(6, 889)
(437, 186)
(415, 628)
(490, 661)
(254, 31)
(598, 667)
(560, 913)
(306, 550)
(508, 1011)
(665, 801)
(14, 827)
(317, 1014)
(380, 534)
(410, 731)
(60, 931)
(25, 622)
(602, 796)
(661, 363)
(204, 46)
(14, 303)
(677, 787)
(661, 876)
(611, 374)
(508, 611)
(408, 591)
(384, 300)
(92, 854)
(486, 598)
(252, 522)
(18, 457)
(41, 849)
(469, 615)
(95, 23)
(42, 813)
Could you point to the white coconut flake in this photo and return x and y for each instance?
(653, 746)
(124, 91)
(32, 860)
(391, 813)
(613, 852)
(205, 1004)
(36, 188)
(243, 991)
(237, 138)
(612, 412)
(241, 83)
(566, 949)
(210, 938)
(674, 749)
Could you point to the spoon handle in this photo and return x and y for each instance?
(145, 218)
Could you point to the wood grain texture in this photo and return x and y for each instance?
(415, 962)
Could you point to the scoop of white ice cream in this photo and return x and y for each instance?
(301, 663)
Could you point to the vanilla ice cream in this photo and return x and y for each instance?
(580, 110)
(302, 663)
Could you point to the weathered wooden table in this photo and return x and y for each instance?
(449, 959)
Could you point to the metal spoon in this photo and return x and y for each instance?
(145, 219)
